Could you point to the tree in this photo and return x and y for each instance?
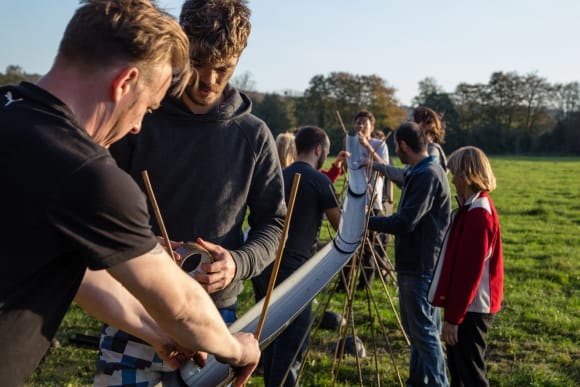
(382, 102)
(566, 98)
(276, 111)
(314, 108)
(565, 138)
(468, 100)
(348, 93)
(535, 93)
(15, 74)
(427, 87)
(244, 82)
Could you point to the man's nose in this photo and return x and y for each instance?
(208, 77)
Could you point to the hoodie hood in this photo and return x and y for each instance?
(235, 105)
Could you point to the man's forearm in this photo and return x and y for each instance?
(259, 250)
(391, 172)
(107, 300)
(178, 304)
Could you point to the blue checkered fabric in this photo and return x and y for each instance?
(125, 360)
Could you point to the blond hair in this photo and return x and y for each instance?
(217, 29)
(105, 33)
(286, 149)
(472, 165)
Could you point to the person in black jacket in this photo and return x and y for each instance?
(419, 227)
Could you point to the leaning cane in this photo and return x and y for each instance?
(278, 260)
(158, 214)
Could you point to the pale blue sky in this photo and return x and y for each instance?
(402, 41)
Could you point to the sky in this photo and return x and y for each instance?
(402, 41)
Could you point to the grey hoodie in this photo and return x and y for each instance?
(206, 170)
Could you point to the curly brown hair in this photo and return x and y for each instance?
(217, 29)
(431, 122)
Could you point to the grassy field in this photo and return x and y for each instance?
(535, 340)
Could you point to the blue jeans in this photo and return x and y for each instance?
(422, 323)
(229, 313)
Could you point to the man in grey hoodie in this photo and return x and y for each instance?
(209, 160)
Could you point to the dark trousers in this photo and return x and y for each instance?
(277, 357)
(466, 359)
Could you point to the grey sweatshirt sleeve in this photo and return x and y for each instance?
(396, 174)
(267, 212)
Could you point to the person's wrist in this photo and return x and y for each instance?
(240, 360)
(236, 357)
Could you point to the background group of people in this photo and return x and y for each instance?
(444, 260)
(211, 161)
(453, 261)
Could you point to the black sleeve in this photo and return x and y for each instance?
(103, 211)
(328, 194)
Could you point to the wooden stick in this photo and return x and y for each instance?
(158, 214)
(278, 260)
(341, 123)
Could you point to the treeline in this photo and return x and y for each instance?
(510, 114)
(15, 74)
(325, 96)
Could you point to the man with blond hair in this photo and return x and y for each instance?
(88, 220)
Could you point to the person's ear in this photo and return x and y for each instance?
(403, 145)
(123, 82)
(318, 150)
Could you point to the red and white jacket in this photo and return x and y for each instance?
(469, 273)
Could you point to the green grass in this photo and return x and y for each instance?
(535, 339)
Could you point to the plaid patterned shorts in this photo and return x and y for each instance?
(127, 361)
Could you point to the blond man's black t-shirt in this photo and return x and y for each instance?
(65, 206)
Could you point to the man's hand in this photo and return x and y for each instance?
(449, 333)
(218, 274)
(248, 361)
(174, 245)
(175, 357)
(364, 141)
(340, 158)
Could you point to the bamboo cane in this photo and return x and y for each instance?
(158, 214)
(278, 260)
